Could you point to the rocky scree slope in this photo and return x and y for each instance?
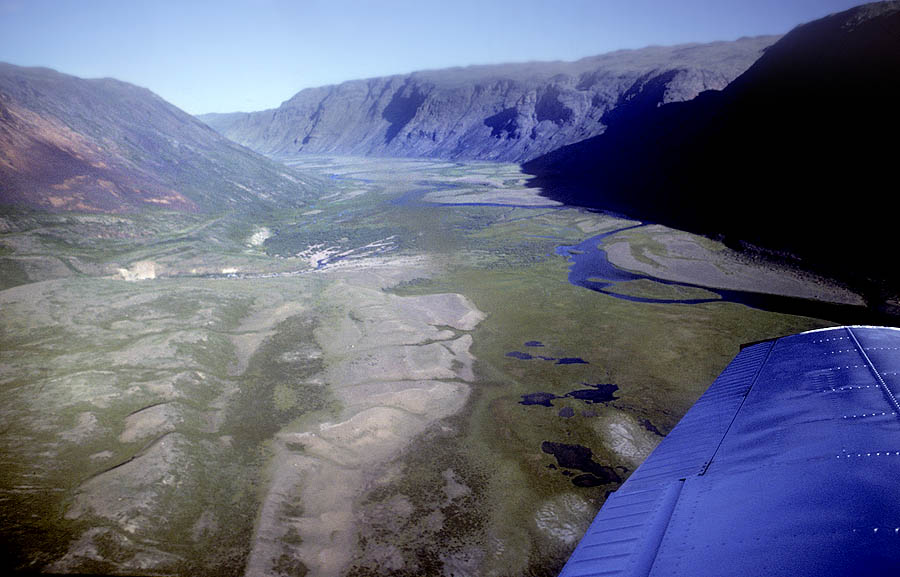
(510, 112)
(68, 143)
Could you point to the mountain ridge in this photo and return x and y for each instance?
(68, 143)
(508, 112)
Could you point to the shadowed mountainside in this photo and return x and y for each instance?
(509, 112)
(794, 156)
(103, 145)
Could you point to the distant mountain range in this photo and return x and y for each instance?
(797, 155)
(68, 143)
(102, 145)
(510, 112)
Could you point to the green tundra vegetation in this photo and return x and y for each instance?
(328, 388)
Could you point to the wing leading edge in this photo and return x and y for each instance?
(789, 465)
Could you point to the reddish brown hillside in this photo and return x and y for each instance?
(68, 143)
(44, 163)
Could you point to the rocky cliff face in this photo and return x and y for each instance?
(510, 112)
(102, 145)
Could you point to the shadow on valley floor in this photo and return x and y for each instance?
(789, 158)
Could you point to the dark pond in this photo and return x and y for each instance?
(571, 361)
(519, 355)
(599, 393)
(559, 361)
(581, 459)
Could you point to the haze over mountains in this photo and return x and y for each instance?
(510, 112)
(68, 143)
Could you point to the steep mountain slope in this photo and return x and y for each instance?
(507, 112)
(796, 155)
(104, 145)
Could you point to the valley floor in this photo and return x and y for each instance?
(397, 379)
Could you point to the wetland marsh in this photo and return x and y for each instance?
(329, 389)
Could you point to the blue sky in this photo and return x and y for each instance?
(227, 55)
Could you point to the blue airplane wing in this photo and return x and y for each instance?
(788, 465)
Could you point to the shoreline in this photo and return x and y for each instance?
(681, 256)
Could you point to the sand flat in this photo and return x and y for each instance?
(684, 257)
(390, 393)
